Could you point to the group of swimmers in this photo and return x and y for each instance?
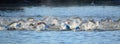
(52, 23)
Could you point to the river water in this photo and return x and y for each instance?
(63, 37)
(66, 11)
(59, 37)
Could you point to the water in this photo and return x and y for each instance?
(62, 37)
(59, 37)
(85, 12)
(66, 11)
(80, 11)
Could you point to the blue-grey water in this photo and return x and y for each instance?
(59, 37)
(66, 11)
(63, 37)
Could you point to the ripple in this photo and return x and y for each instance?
(57, 37)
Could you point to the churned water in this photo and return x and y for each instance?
(59, 37)
(62, 37)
